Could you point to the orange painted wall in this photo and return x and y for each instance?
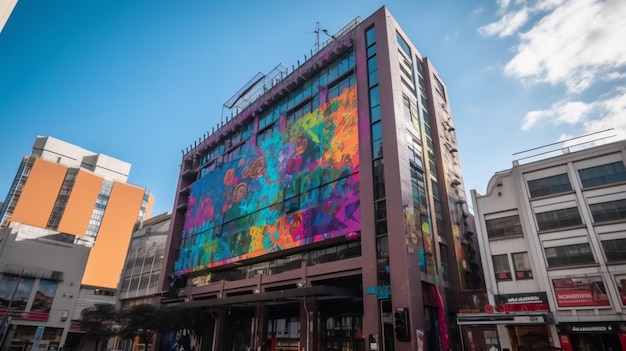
(80, 205)
(39, 193)
(109, 252)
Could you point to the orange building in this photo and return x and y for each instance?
(68, 189)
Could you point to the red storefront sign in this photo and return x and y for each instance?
(29, 316)
(580, 292)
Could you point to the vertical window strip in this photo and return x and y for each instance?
(16, 190)
(144, 206)
(62, 199)
(99, 208)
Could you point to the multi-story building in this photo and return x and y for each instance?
(144, 258)
(140, 276)
(328, 211)
(40, 279)
(83, 195)
(553, 237)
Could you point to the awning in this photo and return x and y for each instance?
(506, 318)
(318, 291)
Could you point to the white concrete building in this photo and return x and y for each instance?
(40, 275)
(553, 238)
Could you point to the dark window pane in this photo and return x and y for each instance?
(549, 186)
(521, 264)
(615, 250)
(370, 36)
(605, 174)
(608, 211)
(566, 217)
(505, 226)
(570, 255)
(501, 267)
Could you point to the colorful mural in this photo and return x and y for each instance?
(301, 185)
(417, 221)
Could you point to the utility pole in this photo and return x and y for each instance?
(6, 321)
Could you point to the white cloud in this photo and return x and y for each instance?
(571, 42)
(507, 25)
(614, 116)
(615, 76)
(605, 113)
(563, 112)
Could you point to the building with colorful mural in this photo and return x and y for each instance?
(553, 237)
(328, 210)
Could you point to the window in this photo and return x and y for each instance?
(501, 267)
(566, 217)
(549, 186)
(608, 211)
(380, 216)
(265, 134)
(370, 36)
(374, 96)
(291, 204)
(379, 179)
(372, 70)
(521, 264)
(439, 87)
(432, 163)
(605, 174)
(505, 226)
(377, 140)
(570, 255)
(445, 263)
(403, 45)
(614, 250)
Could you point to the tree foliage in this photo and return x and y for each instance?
(98, 322)
(141, 321)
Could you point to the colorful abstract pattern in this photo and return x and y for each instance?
(301, 185)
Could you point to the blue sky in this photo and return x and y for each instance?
(141, 80)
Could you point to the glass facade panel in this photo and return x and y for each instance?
(549, 186)
(501, 267)
(403, 45)
(563, 218)
(570, 255)
(604, 174)
(608, 211)
(615, 250)
(521, 263)
(505, 226)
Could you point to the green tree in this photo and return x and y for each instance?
(141, 321)
(98, 321)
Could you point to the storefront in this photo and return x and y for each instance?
(600, 336)
(523, 323)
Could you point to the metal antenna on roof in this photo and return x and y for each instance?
(317, 35)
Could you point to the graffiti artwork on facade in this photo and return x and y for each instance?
(299, 185)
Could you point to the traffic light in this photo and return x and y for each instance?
(401, 324)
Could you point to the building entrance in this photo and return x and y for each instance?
(238, 333)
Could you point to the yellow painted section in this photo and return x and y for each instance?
(39, 194)
(80, 205)
(106, 259)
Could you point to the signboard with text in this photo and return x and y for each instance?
(580, 292)
(535, 301)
